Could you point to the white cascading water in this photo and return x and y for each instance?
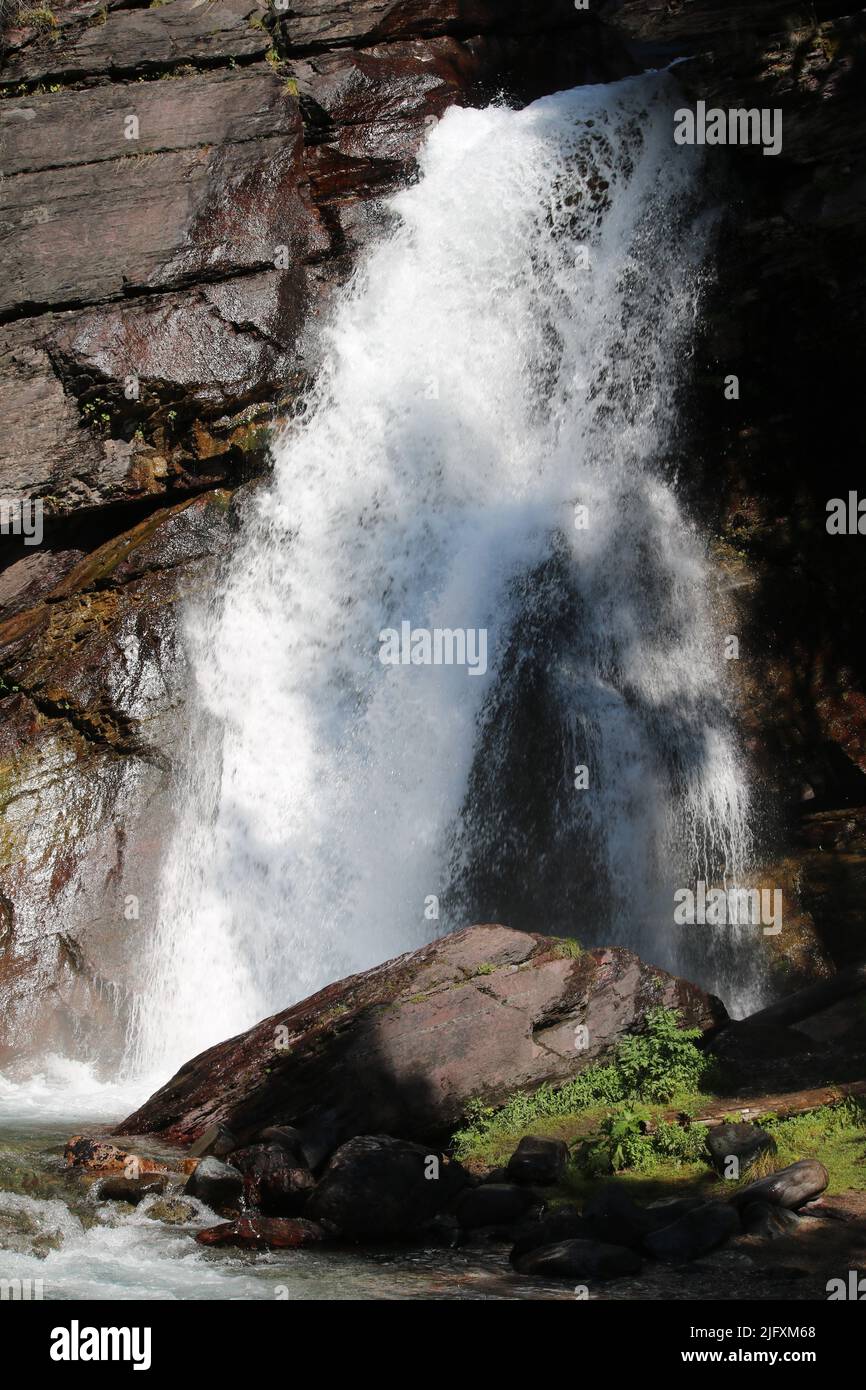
(513, 348)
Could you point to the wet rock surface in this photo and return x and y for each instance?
(275, 1182)
(263, 1233)
(216, 1184)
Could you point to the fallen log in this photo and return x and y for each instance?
(783, 1105)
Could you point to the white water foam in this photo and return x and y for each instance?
(480, 381)
(65, 1089)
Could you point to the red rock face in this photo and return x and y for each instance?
(401, 1049)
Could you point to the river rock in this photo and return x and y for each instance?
(101, 1156)
(319, 1138)
(538, 1162)
(122, 1189)
(665, 1210)
(565, 1223)
(312, 1145)
(379, 1188)
(216, 1184)
(172, 1211)
(403, 1048)
(95, 1155)
(611, 1216)
(286, 1136)
(744, 1142)
(580, 1259)
(216, 1142)
(275, 1182)
(789, 1187)
(263, 1233)
(493, 1204)
(768, 1221)
(694, 1234)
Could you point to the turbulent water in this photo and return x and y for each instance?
(488, 448)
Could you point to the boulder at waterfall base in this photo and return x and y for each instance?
(403, 1048)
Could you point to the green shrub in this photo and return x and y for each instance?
(655, 1065)
(622, 1142)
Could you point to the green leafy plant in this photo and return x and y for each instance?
(626, 1140)
(622, 1142)
(655, 1065)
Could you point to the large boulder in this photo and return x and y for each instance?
(403, 1048)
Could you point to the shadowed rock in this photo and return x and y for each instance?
(695, 1233)
(274, 1182)
(538, 1161)
(378, 1188)
(743, 1142)
(493, 1204)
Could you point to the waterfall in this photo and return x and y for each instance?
(488, 448)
